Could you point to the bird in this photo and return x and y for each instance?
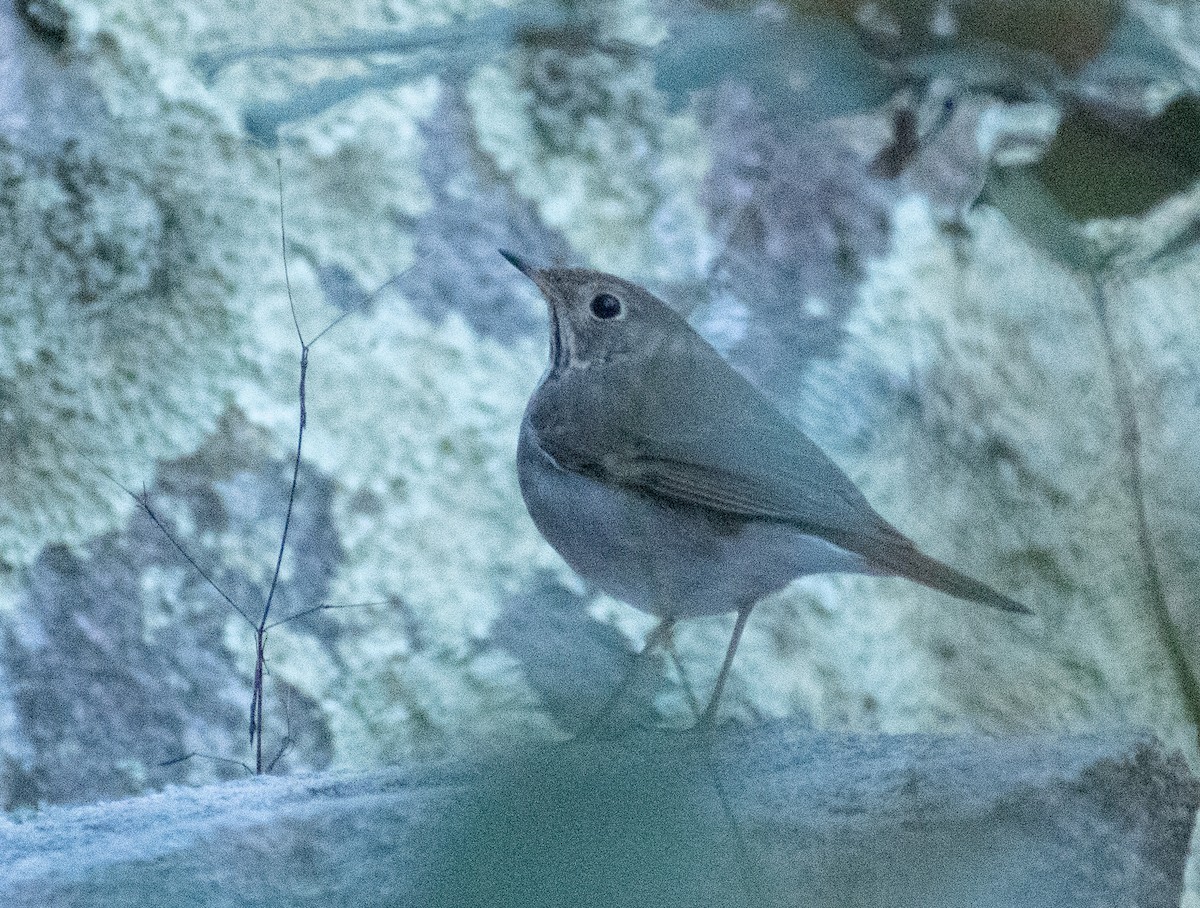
(663, 476)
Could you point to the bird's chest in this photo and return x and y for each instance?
(660, 559)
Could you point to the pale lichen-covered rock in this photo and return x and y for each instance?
(410, 445)
(974, 404)
(122, 317)
(584, 134)
(963, 376)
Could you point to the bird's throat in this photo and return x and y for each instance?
(557, 348)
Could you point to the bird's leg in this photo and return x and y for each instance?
(660, 634)
(684, 682)
(711, 710)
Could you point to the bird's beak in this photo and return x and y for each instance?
(533, 272)
(520, 264)
(537, 276)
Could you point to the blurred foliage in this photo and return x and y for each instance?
(1071, 32)
(1097, 169)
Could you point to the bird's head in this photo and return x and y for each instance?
(596, 317)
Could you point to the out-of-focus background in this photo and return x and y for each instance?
(956, 241)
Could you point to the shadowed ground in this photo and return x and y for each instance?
(765, 816)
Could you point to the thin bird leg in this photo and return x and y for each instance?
(711, 710)
(661, 633)
(688, 691)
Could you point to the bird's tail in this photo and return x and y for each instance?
(903, 559)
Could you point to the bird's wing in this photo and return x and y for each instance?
(721, 445)
(816, 500)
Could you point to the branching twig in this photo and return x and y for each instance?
(1131, 447)
(261, 628)
(143, 501)
(322, 608)
(263, 624)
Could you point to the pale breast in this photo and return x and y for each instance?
(664, 559)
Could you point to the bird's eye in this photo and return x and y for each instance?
(605, 305)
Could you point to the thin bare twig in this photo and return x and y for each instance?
(1131, 447)
(143, 501)
(324, 607)
(262, 625)
(204, 756)
(286, 744)
(747, 867)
